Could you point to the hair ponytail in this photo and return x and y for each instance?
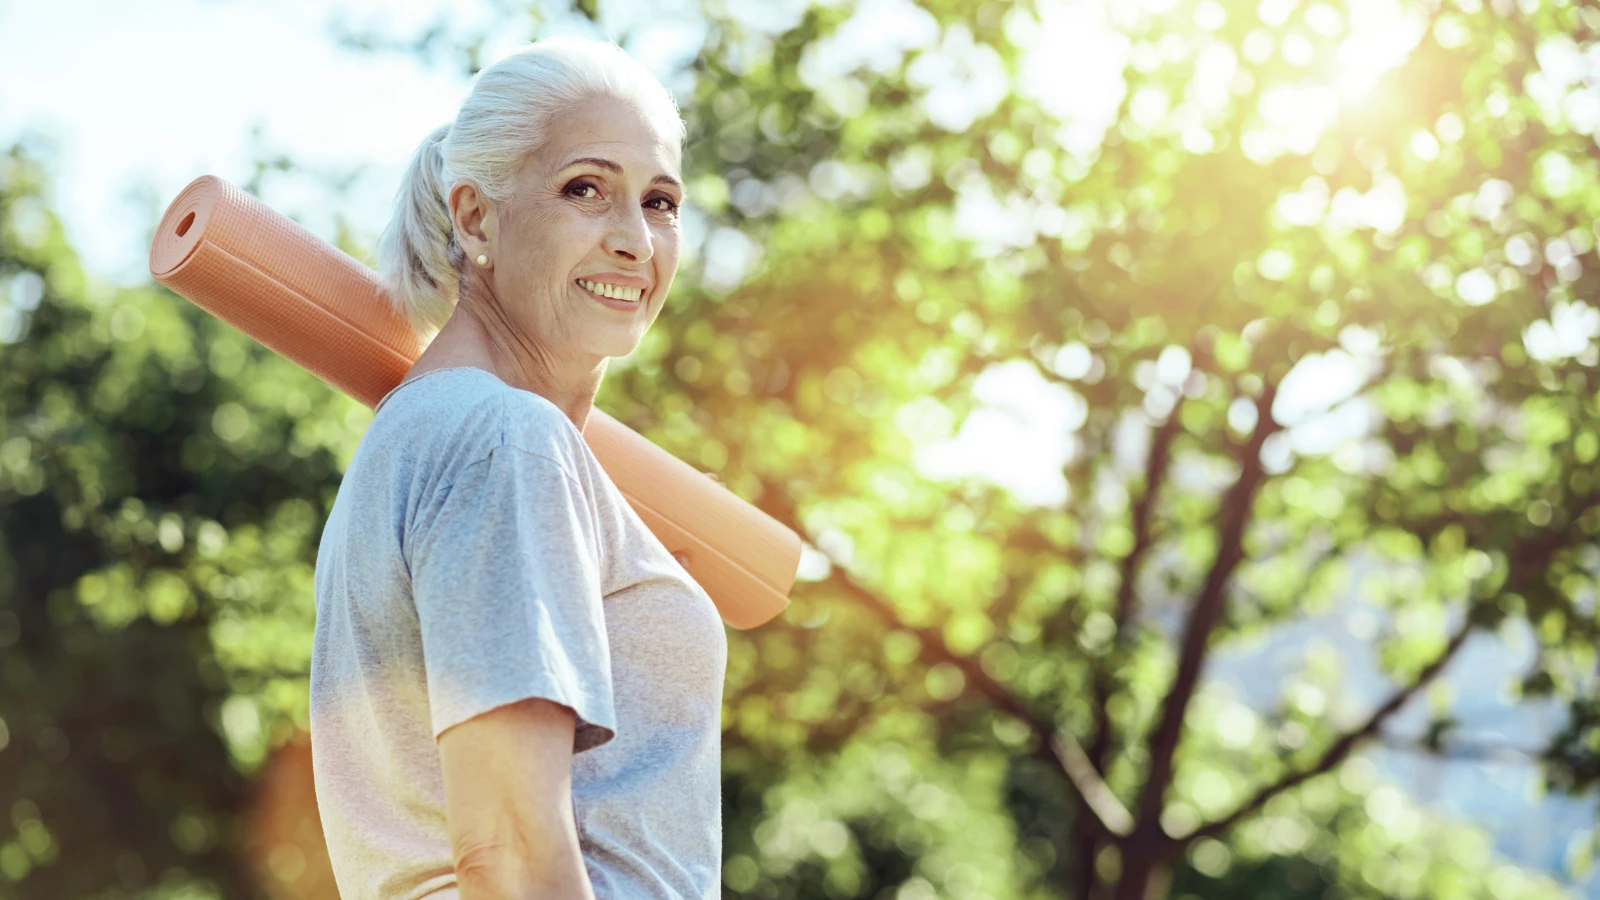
(418, 256)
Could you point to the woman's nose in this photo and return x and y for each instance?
(630, 238)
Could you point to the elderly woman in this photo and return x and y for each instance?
(515, 688)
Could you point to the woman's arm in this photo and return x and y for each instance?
(508, 801)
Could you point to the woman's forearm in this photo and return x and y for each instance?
(508, 800)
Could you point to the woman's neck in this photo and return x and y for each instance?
(481, 339)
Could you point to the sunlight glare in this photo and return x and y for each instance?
(1381, 36)
(1073, 66)
(1019, 436)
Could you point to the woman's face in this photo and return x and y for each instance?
(594, 212)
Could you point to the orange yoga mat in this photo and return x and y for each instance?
(305, 299)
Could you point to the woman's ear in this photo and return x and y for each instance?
(473, 218)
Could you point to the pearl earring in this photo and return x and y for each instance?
(483, 260)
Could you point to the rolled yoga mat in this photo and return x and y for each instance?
(303, 298)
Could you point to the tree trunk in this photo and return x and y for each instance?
(1085, 847)
(1144, 875)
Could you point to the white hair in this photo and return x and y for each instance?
(505, 118)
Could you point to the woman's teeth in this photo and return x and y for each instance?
(612, 291)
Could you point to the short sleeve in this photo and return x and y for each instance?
(505, 575)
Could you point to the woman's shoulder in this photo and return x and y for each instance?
(467, 413)
(534, 424)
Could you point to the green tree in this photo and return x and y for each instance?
(1197, 281)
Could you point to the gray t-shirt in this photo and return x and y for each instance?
(477, 555)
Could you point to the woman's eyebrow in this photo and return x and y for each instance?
(610, 166)
(596, 161)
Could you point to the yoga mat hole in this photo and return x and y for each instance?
(183, 227)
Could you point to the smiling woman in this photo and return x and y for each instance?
(510, 112)
(590, 226)
(559, 181)
(515, 688)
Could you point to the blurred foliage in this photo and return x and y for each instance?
(1307, 281)
(164, 482)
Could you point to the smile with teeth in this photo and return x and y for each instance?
(615, 292)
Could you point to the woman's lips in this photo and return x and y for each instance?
(614, 303)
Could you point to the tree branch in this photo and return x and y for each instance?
(1237, 506)
(1341, 748)
(1056, 746)
(1157, 464)
(1093, 789)
(1526, 560)
(1124, 610)
(1059, 747)
(1465, 751)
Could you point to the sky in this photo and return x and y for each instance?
(157, 93)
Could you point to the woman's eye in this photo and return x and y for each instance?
(667, 204)
(581, 186)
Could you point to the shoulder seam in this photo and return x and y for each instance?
(501, 439)
(507, 446)
(569, 430)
